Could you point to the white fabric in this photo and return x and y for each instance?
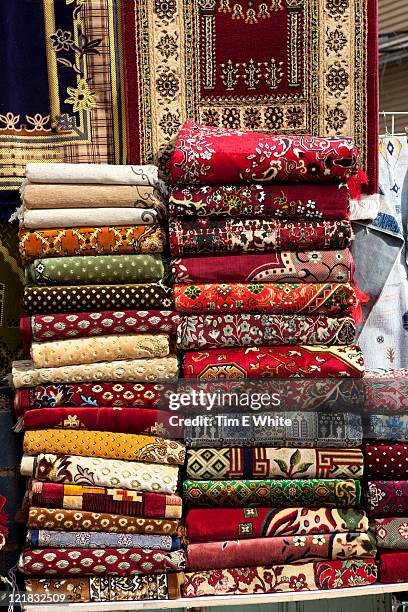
(383, 340)
(93, 173)
(87, 217)
(365, 209)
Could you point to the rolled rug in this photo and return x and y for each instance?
(299, 394)
(107, 174)
(386, 390)
(385, 461)
(386, 498)
(209, 236)
(84, 217)
(291, 429)
(218, 156)
(62, 519)
(281, 578)
(108, 588)
(314, 493)
(84, 241)
(95, 394)
(243, 330)
(82, 298)
(392, 532)
(104, 444)
(387, 427)
(37, 538)
(121, 420)
(25, 374)
(103, 499)
(320, 266)
(99, 561)
(209, 524)
(42, 328)
(282, 549)
(267, 298)
(79, 351)
(37, 196)
(274, 362)
(96, 472)
(290, 202)
(235, 462)
(96, 270)
(393, 566)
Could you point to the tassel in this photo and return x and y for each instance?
(362, 298)
(8, 380)
(355, 182)
(18, 215)
(15, 591)
(23, 187)
(19, 426)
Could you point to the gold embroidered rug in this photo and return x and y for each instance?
(281, 66)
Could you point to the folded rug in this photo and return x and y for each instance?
(79, 351)
(219, 156)
(235, 462)
(281, 266)
(281, 578)
(99, 561)
(274, 362)
(392, 532)
(93, 173)
(386, 390)
(99, 499)
(75, 520)
(386, 461)
(243, 330)
(282, 549)
(108, 588)
(202, 236)
(208, 524)
(83, 217)
(96, 472)
(296, 202)
(385, 498)
(121, 420)
(96, 270)
(36, 195)
(300, 394)
(38, 538)
(302, 429)
(393, 566)
(49, 300)
(315, 493)
(40, 328)
(95, 394)
(393, 427)
(104, 444)
(279, 298)
(103, 240)
(165, 368)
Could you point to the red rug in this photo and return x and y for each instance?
(310, 68)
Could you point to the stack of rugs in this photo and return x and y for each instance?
(103, 514)
(265, 520)
(386, 471)
(259, 238)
